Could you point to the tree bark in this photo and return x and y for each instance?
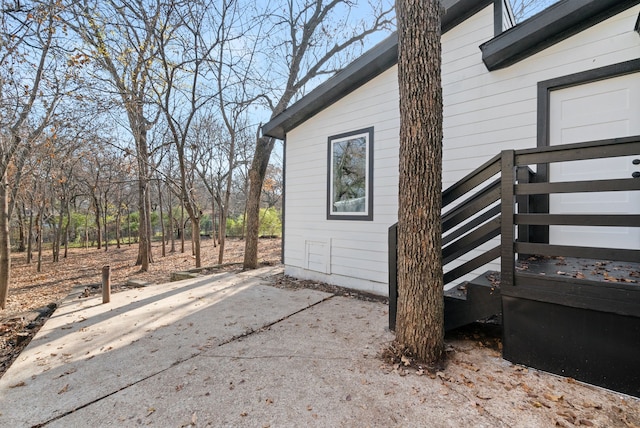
(21, 226)
(30, 236)
(162, 230)
(420, 318)
(5, 243)
(98, 220)
(257, 172)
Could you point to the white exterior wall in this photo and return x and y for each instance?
(350, 253)
(484, 112)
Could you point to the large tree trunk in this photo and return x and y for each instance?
(5, 243)
(144, 199)
(257, 173)
(420, 318)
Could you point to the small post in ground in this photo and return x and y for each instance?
(106, 284)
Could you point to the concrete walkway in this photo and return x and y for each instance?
(231, 350)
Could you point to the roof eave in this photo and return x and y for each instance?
(554, 24)
(374, 62)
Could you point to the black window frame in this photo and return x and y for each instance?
(368, 214)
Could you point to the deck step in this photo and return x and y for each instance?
(475, 300)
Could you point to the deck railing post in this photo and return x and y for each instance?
(523, 175)
(393, 275)
(507, 204)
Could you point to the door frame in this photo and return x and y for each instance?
(540, 203)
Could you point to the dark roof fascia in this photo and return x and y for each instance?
(457, 11)
(375, 61)
(372, 63)
(554, 24)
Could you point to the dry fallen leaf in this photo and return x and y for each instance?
(405, 361)
(551, 397)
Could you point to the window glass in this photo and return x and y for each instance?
(350, 168)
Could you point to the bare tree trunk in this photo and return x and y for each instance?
(98, 220)
(257, 173)
(195, 240)
(420, 318)
(40, 223)
(5, 243)
(118, 225)
(21, 231)
(30, 236)
(86, 230)
(182, 227)
(172, 225)
(66, 229)
(213, 221)
(57, 243)
(144, 198)
(164, 245)
(105, 223)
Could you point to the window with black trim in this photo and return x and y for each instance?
(350, 176)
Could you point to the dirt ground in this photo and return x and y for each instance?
(33, 295)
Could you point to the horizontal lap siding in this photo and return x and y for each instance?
(358, 256)
(484, 113)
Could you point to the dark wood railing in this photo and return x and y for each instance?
(482, 206)
(617, 297)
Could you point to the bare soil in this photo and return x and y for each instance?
(34, 295)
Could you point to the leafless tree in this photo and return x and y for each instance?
(119, 36)
(522, 9)
(312, 38)
(30, 89)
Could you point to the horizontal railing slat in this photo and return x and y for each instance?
(580, 252)
(471, 206)
(471, 180)
(471, 225)
(471, 241)
(616, 185)
(614, 147)
(620, 220)
(471, 265)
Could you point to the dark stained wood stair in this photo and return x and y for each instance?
(471, 301)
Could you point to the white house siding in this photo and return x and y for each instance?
(484, 112)
(355, 251)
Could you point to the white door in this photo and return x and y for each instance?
(606, 109)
